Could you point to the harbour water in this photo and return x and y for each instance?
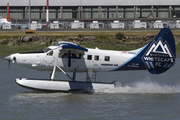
(140, 96)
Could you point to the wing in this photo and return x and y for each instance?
(69, 46)
(71, 49)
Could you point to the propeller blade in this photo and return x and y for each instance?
(9, 63)
(8, 58)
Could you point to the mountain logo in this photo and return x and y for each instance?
(158, 55)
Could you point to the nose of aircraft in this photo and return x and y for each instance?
(8, 58)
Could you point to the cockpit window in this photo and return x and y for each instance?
(47, 49)
(50, 53)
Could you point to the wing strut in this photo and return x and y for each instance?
(69, 58)
(74, 74)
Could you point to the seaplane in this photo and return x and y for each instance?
(157, 57)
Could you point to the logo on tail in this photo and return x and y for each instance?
(158, 55)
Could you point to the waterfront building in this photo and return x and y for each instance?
(105, 11)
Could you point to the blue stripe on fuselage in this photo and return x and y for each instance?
(131, 60)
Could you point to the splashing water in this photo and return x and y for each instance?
(143, 87)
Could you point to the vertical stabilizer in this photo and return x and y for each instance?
(157, 56)
(161, 52)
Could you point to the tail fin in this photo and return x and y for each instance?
(157, 56)
(160, 54)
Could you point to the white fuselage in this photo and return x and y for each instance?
(98, 60)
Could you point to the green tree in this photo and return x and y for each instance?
(119, 35)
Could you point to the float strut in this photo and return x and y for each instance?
(53, 73)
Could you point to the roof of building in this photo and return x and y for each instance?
(90, 2)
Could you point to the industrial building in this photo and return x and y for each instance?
(87, 11)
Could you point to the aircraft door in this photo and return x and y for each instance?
(63, 59)
(90, 61)
(49, 58)
(69, 60)
(96, 63)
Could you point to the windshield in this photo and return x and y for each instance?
(47, 49)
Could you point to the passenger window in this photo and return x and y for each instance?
(73, 55)
(107, 58)
(96, 57)
(76, 56)
(89, 57)
(63, 55)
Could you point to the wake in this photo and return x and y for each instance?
(142, 87)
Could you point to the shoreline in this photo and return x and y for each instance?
(19, 42)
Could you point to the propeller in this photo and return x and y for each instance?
(9, 64)
(8, 58)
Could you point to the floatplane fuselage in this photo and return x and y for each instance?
(95, 59)
(157, 57)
